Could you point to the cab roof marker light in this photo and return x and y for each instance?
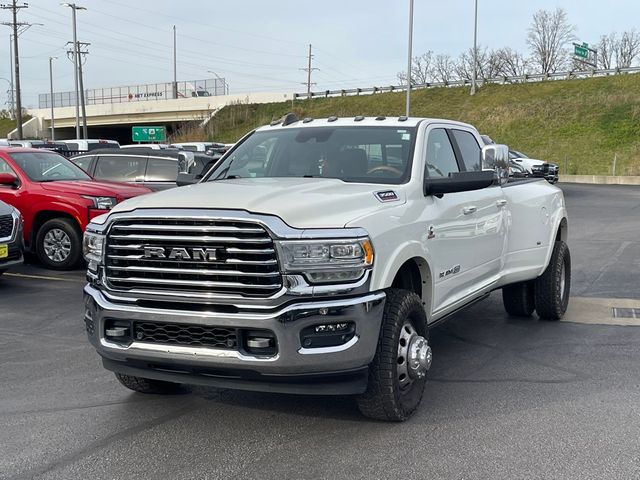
(358, 118)
(332, 119)
(307, 120)
(403, 118)
(289, 118)
(381, 117)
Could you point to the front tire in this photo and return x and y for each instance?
(397, 375)
(553, 286)
(147, 385)
(59, 244)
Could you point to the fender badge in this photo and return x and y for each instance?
(386, 196)
(431, 234)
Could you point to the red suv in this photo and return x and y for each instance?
(57, 200)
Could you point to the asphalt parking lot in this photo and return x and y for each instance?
(507, 398)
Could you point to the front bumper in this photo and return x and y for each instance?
(15, 246)
(292, 369)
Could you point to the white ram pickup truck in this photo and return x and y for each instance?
(315, 258)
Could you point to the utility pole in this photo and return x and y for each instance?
(409, 58)
(475, 51)
(53, 124)
(73, 8)
(175, 64)
(309, 69)
(14, 7)
(77, 53)
(85, 135)
(12, 99)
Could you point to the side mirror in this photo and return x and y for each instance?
(186, 160)
(496, 157)
(8, 179)
(459, 182)
(187, 179)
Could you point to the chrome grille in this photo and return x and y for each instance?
(6, 226)
(245, 260)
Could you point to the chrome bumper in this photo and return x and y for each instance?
(286, 323)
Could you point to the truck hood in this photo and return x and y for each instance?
(96, 188)
(300, 202)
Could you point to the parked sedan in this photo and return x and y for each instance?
(154, 169)
(11, 245)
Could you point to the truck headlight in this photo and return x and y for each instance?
(93, 249)
(327, 261)
(102, 203)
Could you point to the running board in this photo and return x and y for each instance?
(459, 309)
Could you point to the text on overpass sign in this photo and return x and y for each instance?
(581, 51)
(148, 134)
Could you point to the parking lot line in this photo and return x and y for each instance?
(43, 277)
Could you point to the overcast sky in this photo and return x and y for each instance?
(260, 45)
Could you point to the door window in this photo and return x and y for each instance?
(6, 168)
(161, 170)
(441, 159)
(83, 162)
(469, 149)
(120, 168)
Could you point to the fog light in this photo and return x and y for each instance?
(327, 334)
(259, 342)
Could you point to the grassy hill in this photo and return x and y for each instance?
(579, 124)
(6, 125)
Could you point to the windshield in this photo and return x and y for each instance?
(47, 167)
(516, 154)
(351, 154)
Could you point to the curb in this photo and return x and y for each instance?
(600, 179)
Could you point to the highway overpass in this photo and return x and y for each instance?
(114, 120)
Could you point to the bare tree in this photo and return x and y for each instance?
(627, 49)
(511, 62)
(547, 38)
(421, 70)
(443, 68)
(488, 64)
(607, 47)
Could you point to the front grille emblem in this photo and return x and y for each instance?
(180, 253)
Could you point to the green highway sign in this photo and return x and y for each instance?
(581, 51)
(148, 134)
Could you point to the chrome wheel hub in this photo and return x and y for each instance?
(57, 245)
(414, 356)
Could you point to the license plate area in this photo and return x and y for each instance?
(4, 250)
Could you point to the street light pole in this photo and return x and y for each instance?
(224, 82)
(475, 51)
(409, 57)
(53, 127)
(175, 64)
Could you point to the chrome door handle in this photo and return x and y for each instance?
(501, 203)
(469, 210)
